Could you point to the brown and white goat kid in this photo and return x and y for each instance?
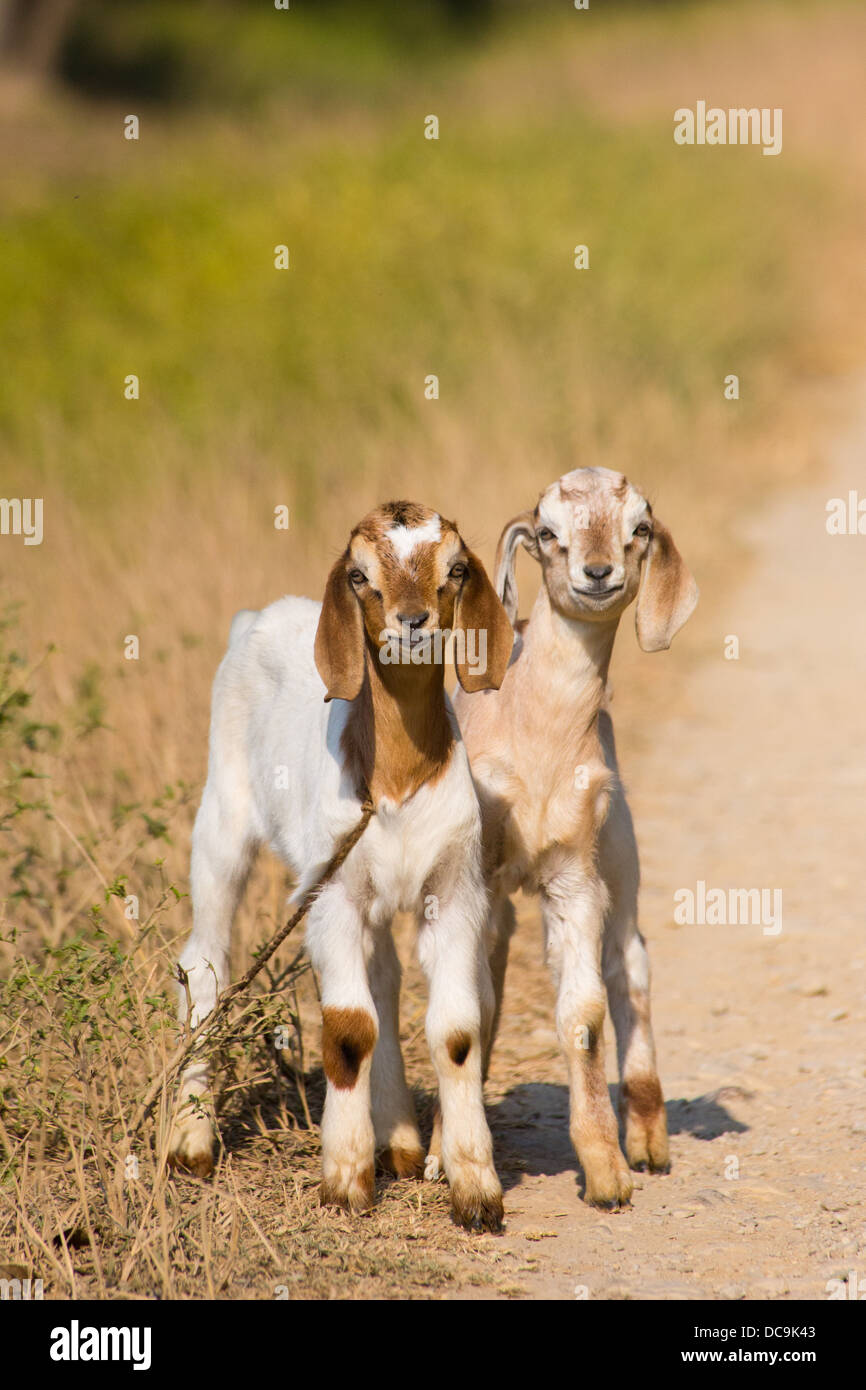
(556, 820)
(289, 770)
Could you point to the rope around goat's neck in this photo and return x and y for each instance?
(338, 858)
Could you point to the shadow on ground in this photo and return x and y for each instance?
(530, 1128)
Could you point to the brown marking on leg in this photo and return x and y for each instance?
(646, 1132)
(403, 1162)
(348, 1037)
(199, 1166)
(476, 1210)
(358, 1197)
(643, 1095)
(459, 1045)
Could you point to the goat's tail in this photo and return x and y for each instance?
(241, 623)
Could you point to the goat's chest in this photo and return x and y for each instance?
(416, 848)
(530, 813)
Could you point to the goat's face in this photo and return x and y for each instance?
(594, 534)
(405, 575)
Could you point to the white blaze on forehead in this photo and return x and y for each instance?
(405, 538)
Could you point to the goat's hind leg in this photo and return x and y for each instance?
(222, 854)
(394, 1122)
(627, 977)
(502, 923)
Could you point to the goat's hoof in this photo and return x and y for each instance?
(477, 1210)
(642, 1109)
(191, 1148)
(197, 1166)
(432, 1168)
(403, 1162)
(610, 1189)
(646, 1145)
(355, 1194)
(648, 1163)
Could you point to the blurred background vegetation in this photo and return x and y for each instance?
(408, 256)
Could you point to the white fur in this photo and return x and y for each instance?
(405, 538)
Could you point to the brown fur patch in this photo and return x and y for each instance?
(643, 1096)
(348, 1037)
(398, 735)
(476, 1210)
(359, 1197)
(339, 645)
(459, 1045)
(389, 514)
(668, 594)
(403, 1163)
(201, 1166)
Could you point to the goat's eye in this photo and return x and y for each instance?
(457, 571)
(643, 529)
(544, 534)
(357, 577)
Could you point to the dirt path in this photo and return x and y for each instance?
(757, 779)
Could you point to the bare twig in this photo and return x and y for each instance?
(227, 998)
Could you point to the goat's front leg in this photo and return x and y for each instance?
(337, 946)
(502, 923)
(573, 914)
(627, 975)
(394, 1119)
(454, 959)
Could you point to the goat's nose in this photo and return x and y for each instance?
(597, 571)
(413, 620)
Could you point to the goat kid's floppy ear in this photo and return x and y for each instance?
(520, 531)
(668, 594)
(339, 646)
(480, 612)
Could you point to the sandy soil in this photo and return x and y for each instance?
(755, 779)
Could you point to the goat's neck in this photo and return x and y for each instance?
(398, 734)
(567, 660)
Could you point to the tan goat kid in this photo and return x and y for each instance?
(555, 819)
